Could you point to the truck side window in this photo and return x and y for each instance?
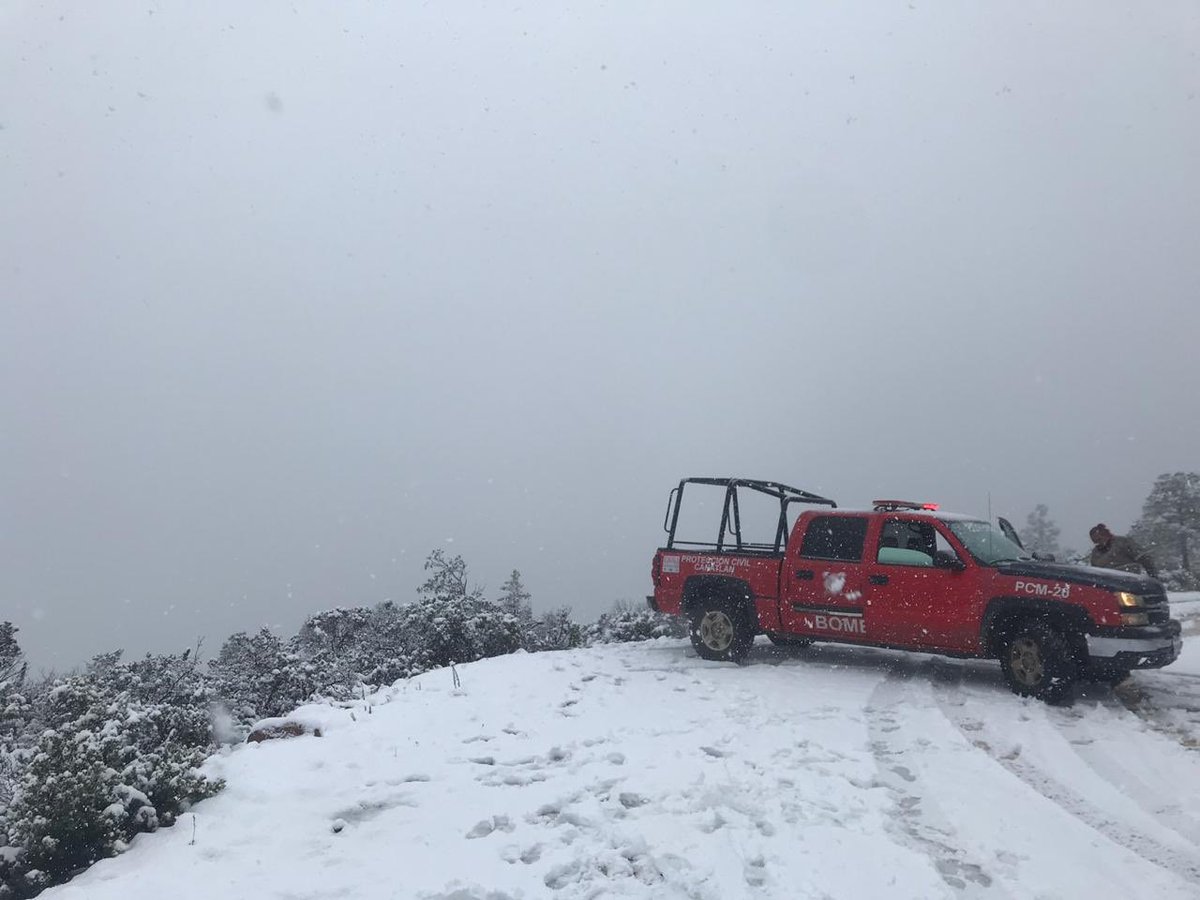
(906, 543)
(835, 537)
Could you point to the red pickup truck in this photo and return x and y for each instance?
(745, 557)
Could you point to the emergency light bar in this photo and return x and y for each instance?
(893, 505)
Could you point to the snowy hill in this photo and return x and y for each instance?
(640, 771)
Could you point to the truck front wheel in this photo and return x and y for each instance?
(1038, 662)
(720, 631)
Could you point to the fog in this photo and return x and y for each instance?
(292, 295)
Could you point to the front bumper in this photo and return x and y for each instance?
(1147, 647)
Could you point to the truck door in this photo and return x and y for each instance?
(920, 589)
(823, 581)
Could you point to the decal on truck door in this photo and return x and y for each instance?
(832, 622)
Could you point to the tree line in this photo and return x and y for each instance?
(90, 759)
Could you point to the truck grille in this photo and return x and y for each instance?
(1156, 605)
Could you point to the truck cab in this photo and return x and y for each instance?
(902, 575)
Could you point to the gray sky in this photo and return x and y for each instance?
(293, 294)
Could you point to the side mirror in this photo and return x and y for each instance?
(943, 559)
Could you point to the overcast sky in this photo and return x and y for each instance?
(293, 294)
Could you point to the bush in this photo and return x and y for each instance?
(634, 623)
(119, 755)
(258, 676)
(555, 631)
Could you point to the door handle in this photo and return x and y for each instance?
(804, 574)
(879, 579)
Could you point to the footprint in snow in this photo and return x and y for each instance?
(487, 826)
(714, 752)
(755, 871)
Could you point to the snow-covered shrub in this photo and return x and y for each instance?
(633, 623)
(451, 623)
(119, 755)
(258, 676)
(1179, 580)
(384, 650)
(335, 632)
(445, 630)
(555, 630)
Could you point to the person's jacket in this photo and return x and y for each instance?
(1124, 554)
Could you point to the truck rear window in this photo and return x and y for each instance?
(835, 537)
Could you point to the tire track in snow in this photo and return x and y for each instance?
(1171, 711)
(1182, 864)
(919, 823)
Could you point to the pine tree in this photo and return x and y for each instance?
(1040, 534)
(514, 600)
(1170, 524)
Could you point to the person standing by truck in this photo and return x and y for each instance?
(1110, 551)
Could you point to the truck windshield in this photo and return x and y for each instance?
(986, 542)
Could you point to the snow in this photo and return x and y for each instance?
(638, 770)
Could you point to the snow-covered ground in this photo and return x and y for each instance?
(641, 771)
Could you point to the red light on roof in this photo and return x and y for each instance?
(892, 505)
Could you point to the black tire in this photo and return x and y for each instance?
(1038, 662)
(788, 640)
(721, 630)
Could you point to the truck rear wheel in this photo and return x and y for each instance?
(721, 631)
(1038, 662)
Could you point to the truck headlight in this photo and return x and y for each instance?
(1127, 599)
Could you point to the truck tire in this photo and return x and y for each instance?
(721, 630)
(1038, 662)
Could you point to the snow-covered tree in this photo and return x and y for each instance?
(257, 676)
(447, 578)
(14, 706)
(1170, 526)
(334, 631)
(514, 599)
(1040, 534)
(453, 623)
(15, 713)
